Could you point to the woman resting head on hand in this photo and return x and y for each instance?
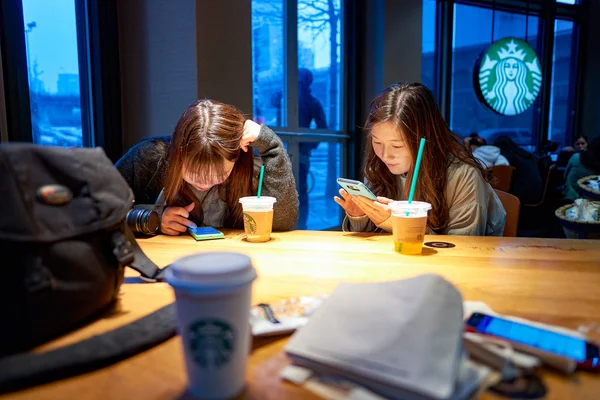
(197, 176)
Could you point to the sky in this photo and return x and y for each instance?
(53, 42)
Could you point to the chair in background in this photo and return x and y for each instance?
(537, 219)
(545, 191)
(501, 177)
(512, 206)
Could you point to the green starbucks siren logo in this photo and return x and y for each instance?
(250, 223)
(509, 76)
(211, 342)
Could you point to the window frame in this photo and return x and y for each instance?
(15, 76)
(100, 96)
(547, 12)
(292, 134)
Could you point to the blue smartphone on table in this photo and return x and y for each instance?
(586, 354)
(356, 188)
(205, 233)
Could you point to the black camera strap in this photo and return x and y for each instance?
(129, 253)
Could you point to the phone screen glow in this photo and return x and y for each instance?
(564, 345)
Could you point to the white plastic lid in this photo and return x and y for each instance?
(211, 272)
(414, 209)
(259, 204)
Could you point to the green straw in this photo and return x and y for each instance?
(260, 179)
(413, 184)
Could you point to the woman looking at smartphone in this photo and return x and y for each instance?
(450, 179)
(197, 176)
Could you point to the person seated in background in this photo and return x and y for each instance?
(205, 167)
(579, 144)
(582, 164)
(527, 183)
(450, 179)
(472, 136)
(488, 155)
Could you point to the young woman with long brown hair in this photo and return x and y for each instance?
(196, 176)
(450, 179)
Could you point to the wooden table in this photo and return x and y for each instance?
(550, 280)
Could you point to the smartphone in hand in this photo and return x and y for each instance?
(205, 233)
(356, 188)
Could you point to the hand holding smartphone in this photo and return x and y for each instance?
(205, 233)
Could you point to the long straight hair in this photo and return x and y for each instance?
(207, 134)
(414, 112)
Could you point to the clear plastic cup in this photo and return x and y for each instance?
(409, 224)
(212, 296)
(258, 217)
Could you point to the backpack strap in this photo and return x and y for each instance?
(29, 369)
(129, 253)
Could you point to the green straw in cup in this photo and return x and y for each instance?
(260, 180)
(413, 184)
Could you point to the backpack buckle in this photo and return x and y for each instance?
(122, 249)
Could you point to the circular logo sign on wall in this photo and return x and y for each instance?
(508, 77)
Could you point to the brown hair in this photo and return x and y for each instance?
(414, 112)
(208, 133)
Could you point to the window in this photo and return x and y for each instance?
(428, 64)
(268, 75)
(60, 64)
(304, 104)
(475, 28)
(466, 31)
(561, 104)
(53, 71)
(319, 67)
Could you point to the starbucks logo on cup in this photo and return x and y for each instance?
(250, 223)
(211, 342)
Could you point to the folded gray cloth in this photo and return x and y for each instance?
(400, 339)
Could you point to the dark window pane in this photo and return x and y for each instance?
(268, 62)
(560, 108)
(472, 36)
(319, 107)
(53, 70)
(320, 170)
(319, 67)
(428, 57)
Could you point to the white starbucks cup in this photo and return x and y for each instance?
(213, 293)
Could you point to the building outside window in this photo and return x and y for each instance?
(300, 95)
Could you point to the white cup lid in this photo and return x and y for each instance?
(211, 272)
(404, 206)
(253, 200)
